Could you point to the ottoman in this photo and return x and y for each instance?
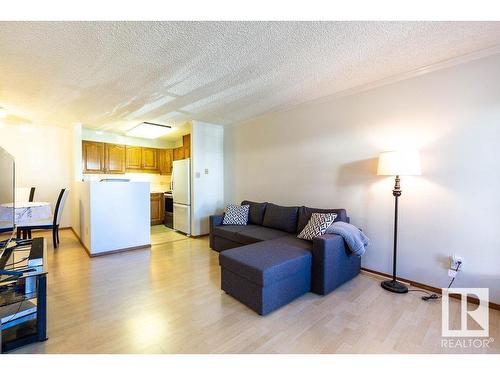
(267, 275)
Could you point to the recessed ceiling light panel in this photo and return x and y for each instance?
(149, 130)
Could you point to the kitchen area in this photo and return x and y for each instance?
(163, 164)
(148, 185)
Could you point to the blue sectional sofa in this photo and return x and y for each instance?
(265, 266)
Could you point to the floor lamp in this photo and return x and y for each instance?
(397, 163)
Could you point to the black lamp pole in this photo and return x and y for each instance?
(393, 285)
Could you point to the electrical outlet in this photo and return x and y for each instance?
(454, 260)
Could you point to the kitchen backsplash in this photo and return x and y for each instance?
(159, 183)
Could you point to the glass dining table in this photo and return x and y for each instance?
(26, 213)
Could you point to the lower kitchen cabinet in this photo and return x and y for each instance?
(157, 208)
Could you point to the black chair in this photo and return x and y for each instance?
(50, 223)
(25, 194)
(32, 194)
(25, 234)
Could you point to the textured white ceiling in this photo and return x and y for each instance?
(113, 75)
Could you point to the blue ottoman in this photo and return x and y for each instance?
(267, 275)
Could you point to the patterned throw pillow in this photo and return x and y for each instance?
(317, 225)
(236, 215)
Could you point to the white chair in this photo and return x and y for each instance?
(50, 223)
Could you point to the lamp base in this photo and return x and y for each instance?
(394, 286)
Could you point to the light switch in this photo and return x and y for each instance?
(197, 174)
(206, 170)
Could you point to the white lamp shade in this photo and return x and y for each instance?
(393, 163)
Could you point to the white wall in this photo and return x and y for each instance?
(81, 211)
(324, 155)
(78, 210)
(207, 169)
(43, 157)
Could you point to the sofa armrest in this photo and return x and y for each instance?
(215, 221)
(333, 263)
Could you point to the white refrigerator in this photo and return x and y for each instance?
(181, 192)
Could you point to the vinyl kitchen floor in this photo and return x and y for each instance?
(162, 234)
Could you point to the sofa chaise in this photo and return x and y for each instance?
(265, 266)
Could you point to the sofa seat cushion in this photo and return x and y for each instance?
(281, 218)
(230, 232)
(306, 212)
(259, 233)
(268, 262)
(292, 240)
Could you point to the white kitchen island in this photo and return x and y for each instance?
(112, 216)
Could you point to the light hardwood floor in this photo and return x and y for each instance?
(168, 300)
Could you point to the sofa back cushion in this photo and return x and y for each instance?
(306, 212)
(257, 210)
(282, 218)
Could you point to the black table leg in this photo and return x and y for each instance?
(41, 312)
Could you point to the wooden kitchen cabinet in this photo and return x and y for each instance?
(102, 158)
(169, 160)
(186, 144)
(157, 208)
(178, 153)
(149, 159)
(165, 158)
(93, 157)
(162, 162)
(115, 156)
(183, 152)
(133, 159)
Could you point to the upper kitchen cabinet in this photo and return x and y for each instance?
(186, 144)
(183, 152)
(100, 158)
(178, 153)
(93, 157)
(142, 159)
(115, 156)
(133, 158)
(149, 159)
(165, 158)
